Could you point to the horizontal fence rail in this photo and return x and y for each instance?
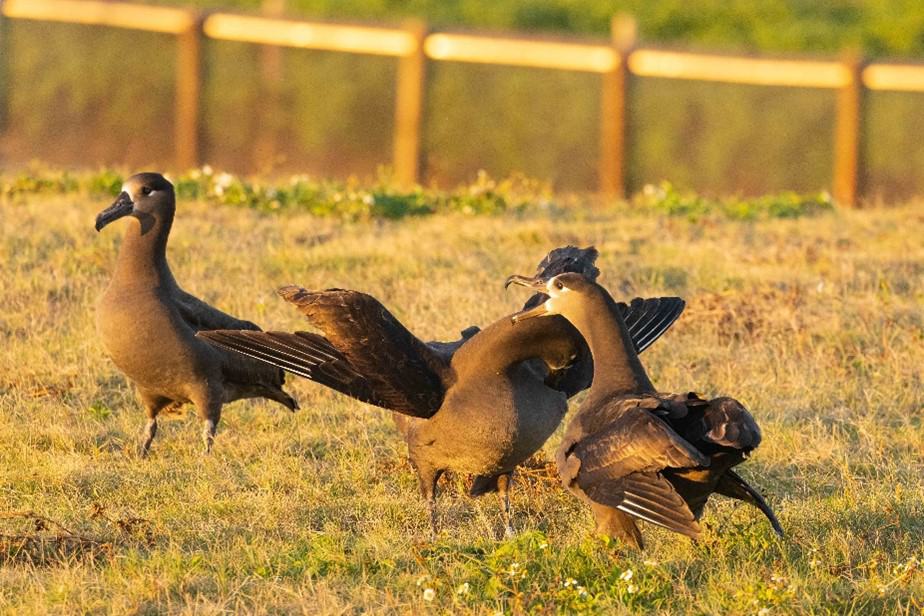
(163, 19)
(305, 35)
(521, 52)
(752, 71)
(412, 45)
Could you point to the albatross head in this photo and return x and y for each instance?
(144, 195)
(564, 292)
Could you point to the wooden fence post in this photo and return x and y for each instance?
(848, 137)
(189, 74)
(266, 141)
(614, 110)
(409, 102)
(6, 67)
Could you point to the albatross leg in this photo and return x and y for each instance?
(150, 431)
(503, 491)
(209, 407)
(209, 427)
(152, 406)
(428, 479)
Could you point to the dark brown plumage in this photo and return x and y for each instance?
(481, 405)
(631, 452)
(148, 323)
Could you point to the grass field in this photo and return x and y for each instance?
(815, 323)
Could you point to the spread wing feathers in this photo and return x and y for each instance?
(244, 377)
(633, 441)
(648, 319)
(200, 316)
(301, 353)
(649, 497)
(405, 374)
(617, 464)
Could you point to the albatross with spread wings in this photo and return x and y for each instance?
(631, 452)
(481, 405)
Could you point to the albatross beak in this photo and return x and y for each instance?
(538, 311)
(536, 284)
(122, 207)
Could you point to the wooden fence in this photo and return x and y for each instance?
(413, 46)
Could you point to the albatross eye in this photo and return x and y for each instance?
(146, 190)
(559, 285)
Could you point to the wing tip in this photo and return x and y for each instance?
(291, 292)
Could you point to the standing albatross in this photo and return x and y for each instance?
(631, 452)
(482, 405)
(148, 324)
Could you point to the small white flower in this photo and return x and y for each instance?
(224, 180)
(422, 579)
(764, 611)
(207, 170)
(651, 563)
(368, 199)
(543, 546)
(429, 594)
(632, 589)
(626, 575)
(463, 589)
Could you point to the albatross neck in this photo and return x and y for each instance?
(617, 369)
(143, 256)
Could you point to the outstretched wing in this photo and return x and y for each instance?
(301, 353)
(648, 319)
(619, 466)
(365, 352)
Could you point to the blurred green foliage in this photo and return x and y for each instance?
(878, 27)
(382, 199)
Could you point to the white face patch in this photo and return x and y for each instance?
(553, 289)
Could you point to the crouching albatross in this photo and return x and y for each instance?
(148, 324)
(631, 452)
(481, 406)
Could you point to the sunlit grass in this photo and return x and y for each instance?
(816, 324)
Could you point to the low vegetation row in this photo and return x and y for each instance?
(354, 200)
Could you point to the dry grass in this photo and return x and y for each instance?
(816, 324)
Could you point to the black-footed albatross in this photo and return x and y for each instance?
(630, 451)
(483, 407)
(148, 324)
